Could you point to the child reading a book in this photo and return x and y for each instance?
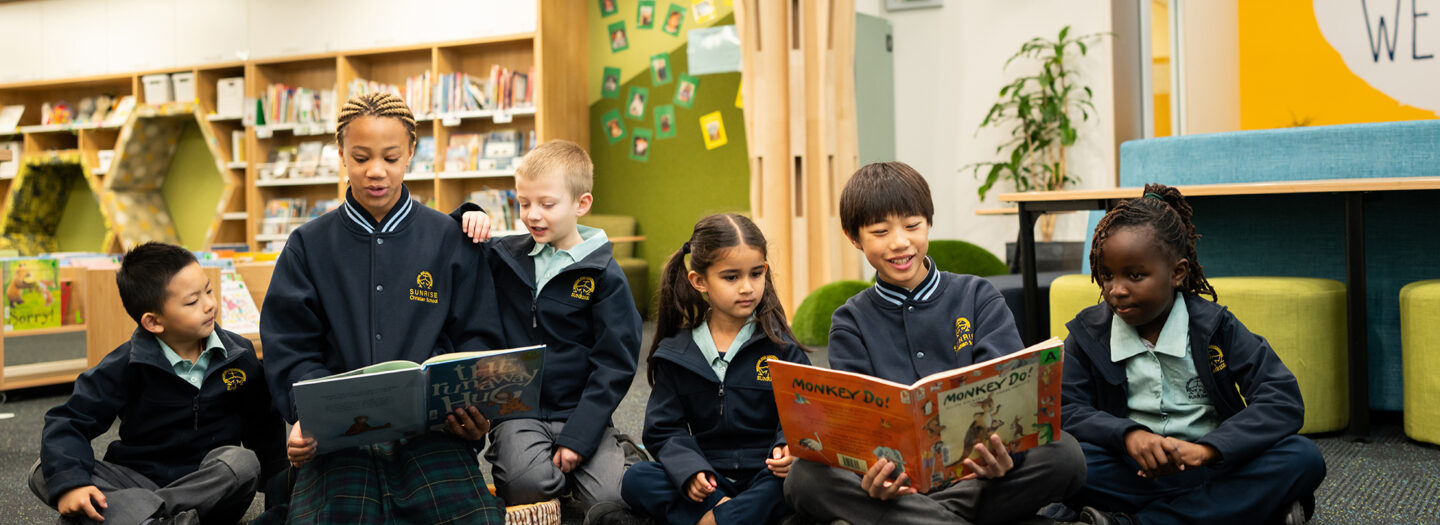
(1183, 414)
(711, 420)
(917, 321)
(381, 278)
(188, 394)
(560, 286)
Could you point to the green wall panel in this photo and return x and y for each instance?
(192, 188)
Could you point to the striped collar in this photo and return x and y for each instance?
(898, 295)
(360, 217)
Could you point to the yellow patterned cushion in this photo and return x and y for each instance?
(543, 513)
(1420, 359)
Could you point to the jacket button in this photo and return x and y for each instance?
(910, 308)
(379, 287)
(379, 241)
(377, 337)
(920, 355)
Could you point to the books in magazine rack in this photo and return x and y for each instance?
(398, 399)
(849, 420)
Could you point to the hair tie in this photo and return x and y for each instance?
(1156, 196)
(685, 248)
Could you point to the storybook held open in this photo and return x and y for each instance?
(849, 420)
(398, 399)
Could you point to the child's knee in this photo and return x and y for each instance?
(1303, 458)
(37, 483)
(241, 461)
(540, 482)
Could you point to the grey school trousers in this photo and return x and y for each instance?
(220, 491)
(521, 453)
(1047, 474)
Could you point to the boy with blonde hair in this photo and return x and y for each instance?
(560, 286)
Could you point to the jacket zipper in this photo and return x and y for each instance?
(195, 410)
(534, 313)
(722, 400)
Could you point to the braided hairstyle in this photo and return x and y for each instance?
(682, 307)
(1164, 211)
(374, 104)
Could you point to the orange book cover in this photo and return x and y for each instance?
(849, 420)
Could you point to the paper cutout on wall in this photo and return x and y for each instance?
(664, 122)
(640, 144)
(674, 19)
(609, 7)
(704, 10)
(610, 83)
(712, 128)
(1388, 49)
(660, 73)
(619, 41)
(685, 91)
(714, 50)
(635, 102)
(612, 127)
(645, 14)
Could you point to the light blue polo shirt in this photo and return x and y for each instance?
(1165, 391)
(194, 373)
(550, 261)
(721, 362)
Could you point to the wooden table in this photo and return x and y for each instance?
(1031, 205)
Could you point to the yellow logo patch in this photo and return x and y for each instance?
(1217, 359)
(963, 336)
(582, 289)
(424, 294)
(234, 378)
(762, 368)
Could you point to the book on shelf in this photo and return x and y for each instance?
(283, 104)
(124, 106)
(278, 163)
(157, 88)
(927, 428)
(329, 161)
(461, 153)
(280, 213)
(103, 159)
(398, 399)
(182, 86)
(230, 97)
(415, 92)
(424, 159)
(307, 159)
(9, 168)
(238, 312)
(501, 206)
(10, 117)
(322, 207)
(32, 292)
(237, 146)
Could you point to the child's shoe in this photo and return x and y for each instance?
(1095, 516)
(613, 513)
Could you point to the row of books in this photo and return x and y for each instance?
(283, 215)
(309, 160)
(501, 206)
(283, 104)
(496, 150)
(502, 89)
(102, 110)
(415, 93)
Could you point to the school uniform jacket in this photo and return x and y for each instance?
(1255, 395)
(696, 423)
(587, 319)
(948, 321)
(349, 291)
(167, 426)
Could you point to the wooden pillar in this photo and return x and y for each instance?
(800, 124)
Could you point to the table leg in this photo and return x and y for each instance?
(1356, 325)
(1033, 333)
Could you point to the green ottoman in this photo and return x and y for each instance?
(1420, 359)
(1069, 294)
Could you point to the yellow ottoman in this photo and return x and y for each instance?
(543, 513)
(1420, 359)
(1304, 321)
(1069, 294)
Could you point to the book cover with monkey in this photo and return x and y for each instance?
(928, 428)
(32, 293)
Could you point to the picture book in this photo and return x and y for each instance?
(32, 293)
(397, 399)
(928, 428)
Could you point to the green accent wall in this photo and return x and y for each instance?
(682, 181)
(192, 188)
(82, 226)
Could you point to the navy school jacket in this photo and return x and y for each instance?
(1231, 362)
(586, 318)
(956, 321)
(167, 426)
(695, 423)
(349, 291)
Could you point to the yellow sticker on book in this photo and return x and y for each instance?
(712, 128)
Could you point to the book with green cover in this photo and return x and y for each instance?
(32, 293)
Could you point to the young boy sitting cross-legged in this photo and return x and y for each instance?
(188, 395)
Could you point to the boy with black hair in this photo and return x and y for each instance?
(188, 395)
(914, 322)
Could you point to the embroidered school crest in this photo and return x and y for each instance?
(234, 378)
(963, 336)
(762, 368)
(1217, 359)
(424, 294)
(583, 287)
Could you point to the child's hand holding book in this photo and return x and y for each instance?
(990, 466)
(779, 461)
(467, 423)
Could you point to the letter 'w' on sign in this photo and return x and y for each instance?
(1381, 31)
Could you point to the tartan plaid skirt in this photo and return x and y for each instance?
(431, 479)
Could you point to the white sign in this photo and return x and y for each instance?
(1393, 45)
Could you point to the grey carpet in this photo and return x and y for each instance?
(1389, 480)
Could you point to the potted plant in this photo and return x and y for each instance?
(1038, 109)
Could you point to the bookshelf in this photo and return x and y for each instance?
(559, 111)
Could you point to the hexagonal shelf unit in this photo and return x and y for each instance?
(51, 207)
(168, 181)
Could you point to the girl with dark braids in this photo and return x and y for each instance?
(1185, 416)
(381, 278)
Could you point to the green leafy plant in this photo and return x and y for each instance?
(1038, 110)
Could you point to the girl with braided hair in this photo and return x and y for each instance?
(381, 278)
(1185, 416)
